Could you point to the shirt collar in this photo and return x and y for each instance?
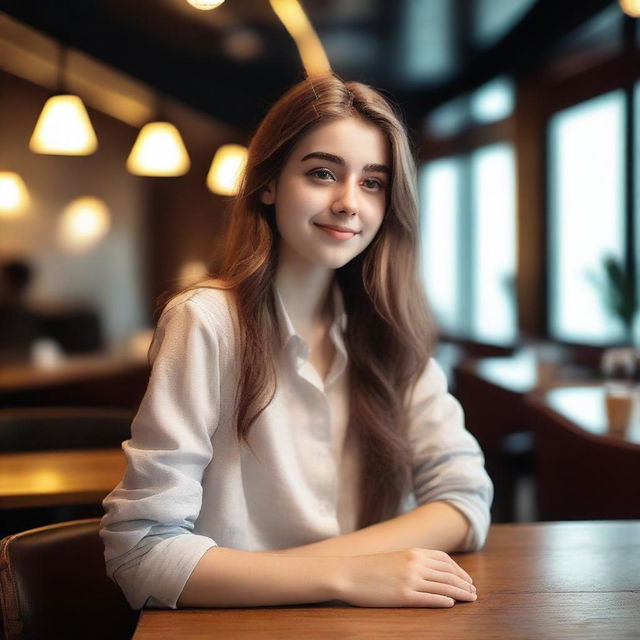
(287, 330)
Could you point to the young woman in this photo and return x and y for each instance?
(296, 442)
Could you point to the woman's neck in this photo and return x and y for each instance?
(306, 294)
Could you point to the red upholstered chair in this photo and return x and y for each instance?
(53, 585)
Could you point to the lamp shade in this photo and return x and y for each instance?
(631, 7)
(205, 5)
(14, 197)
(158, 151)
(227, 169)
(84, 223)
(64, 128)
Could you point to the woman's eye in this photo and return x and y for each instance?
(371, 183)
(323, 174)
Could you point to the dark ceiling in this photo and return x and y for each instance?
(232, 62)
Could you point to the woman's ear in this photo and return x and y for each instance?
(268, 193)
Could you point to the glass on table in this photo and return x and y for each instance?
(620, 368)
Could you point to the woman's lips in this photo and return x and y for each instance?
(334, 233)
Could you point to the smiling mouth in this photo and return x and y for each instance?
(337, 234)
(327, 227)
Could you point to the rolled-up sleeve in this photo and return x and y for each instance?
(147, 529)
(448, 464)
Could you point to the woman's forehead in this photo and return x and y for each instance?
(354, 139)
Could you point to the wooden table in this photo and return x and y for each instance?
(55, 478)
(543, 581)
(103, 380)
(585, 407)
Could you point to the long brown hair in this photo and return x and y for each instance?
(390, 332)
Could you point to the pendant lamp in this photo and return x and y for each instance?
(84, 222)
(158, 151)
(631, 7)
(14, 197)
(64, 127)
(205, 5)
(227, 169)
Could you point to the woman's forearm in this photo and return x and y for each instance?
(227, 577)
(436, 525)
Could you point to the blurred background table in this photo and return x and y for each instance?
(99, 380)
(585, 407)
(550, 580)
(58, 478)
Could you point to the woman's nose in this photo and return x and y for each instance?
(346, 200)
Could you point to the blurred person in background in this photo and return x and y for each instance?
(20, 326)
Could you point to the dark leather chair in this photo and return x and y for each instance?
(54, 585)
(498, 418)
(50, 428)
(579, 475)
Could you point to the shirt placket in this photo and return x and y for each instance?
(322, 465)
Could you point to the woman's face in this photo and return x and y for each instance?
(330, 196)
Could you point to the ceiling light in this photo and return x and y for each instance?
(631, 7)
(158, 151)
(64, 128)
(14, 197)
(227, 169)
(296, 22)
(205, 5)
(84, 223)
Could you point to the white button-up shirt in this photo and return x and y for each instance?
(190, 485)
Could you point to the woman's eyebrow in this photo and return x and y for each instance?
(330, 157)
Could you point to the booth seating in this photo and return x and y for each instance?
(54, 585)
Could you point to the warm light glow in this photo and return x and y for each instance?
(64, 128)
(84, 223)
(631, 7)
(310, 48)
(205, 5)
(14, 197)
(227, 169)
(158, 151)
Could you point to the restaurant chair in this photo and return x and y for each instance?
(54, 585)
(581, 475)
(497, 417)
(51, 428)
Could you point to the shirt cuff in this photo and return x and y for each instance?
(478, 518)
(157, 578)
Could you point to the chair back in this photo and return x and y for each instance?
(50, 428)
(580, 475)
(54, 585)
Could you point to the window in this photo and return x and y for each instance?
(468, 243)
(440, 191)
(492, 19)
(493, 229)
(493, 101)
(586, 216)
(636, 204)
(427, 44)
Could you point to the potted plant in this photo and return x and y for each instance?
(619, 293)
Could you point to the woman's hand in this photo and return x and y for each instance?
(409, 578)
